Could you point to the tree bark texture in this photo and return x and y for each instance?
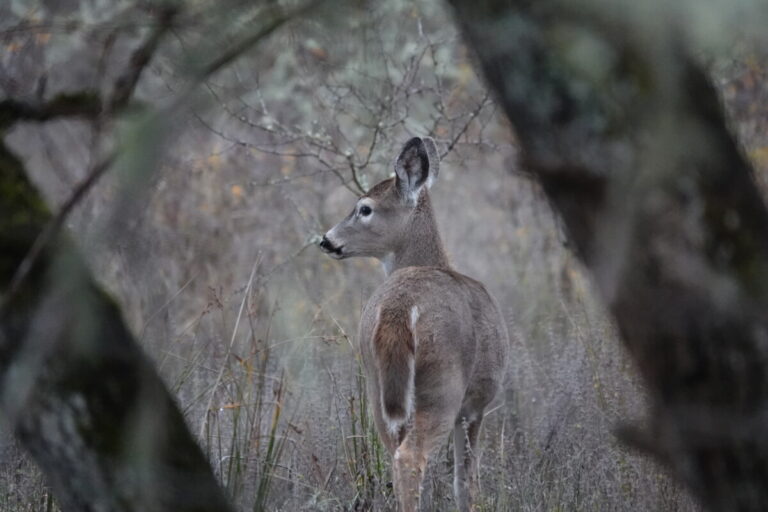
(75, 387)
(629, 141)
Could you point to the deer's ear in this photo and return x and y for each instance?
(414, 167)
(434, 160)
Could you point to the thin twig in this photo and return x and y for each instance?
(463, 130)
(165, 305)
(355, 177)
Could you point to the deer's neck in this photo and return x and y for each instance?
(422, 246)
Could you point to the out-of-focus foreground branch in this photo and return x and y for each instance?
(76, 389)
(629, 140)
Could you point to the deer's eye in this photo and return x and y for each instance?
(365, 210)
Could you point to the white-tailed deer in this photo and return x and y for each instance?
(433, 341)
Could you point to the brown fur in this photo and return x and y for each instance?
(394, 349)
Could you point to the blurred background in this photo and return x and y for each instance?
(204, 233)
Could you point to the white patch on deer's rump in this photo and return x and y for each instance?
(414, 318)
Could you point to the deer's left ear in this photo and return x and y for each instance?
(417, 166)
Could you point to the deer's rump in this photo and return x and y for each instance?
(431, 338)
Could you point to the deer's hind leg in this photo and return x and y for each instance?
(427, 433)
(465, 451)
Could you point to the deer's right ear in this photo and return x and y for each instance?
(413, 168)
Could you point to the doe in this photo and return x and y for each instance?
(433, 342)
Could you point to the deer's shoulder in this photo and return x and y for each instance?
(413, 283)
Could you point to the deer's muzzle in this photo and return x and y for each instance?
(327, 247)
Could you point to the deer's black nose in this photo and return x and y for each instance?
(326, 244)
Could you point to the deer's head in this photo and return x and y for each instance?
(382, 221)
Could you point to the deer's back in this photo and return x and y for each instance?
(460, 337)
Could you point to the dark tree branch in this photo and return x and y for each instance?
(660, 205)
(83, 104)
(126, 83)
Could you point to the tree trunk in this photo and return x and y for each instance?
(76, 389)
(628, 139)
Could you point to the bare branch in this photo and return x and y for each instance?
(84, 104)
(464, 128)
(126, 83)
(355, 178)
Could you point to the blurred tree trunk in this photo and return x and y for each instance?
(76, 389)
(629, 141)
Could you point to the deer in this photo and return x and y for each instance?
(433, 341)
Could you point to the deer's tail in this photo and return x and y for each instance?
(394, 347)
